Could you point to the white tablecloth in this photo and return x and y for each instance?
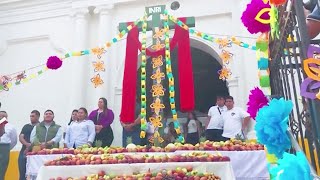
(222, 169)
(34, 162)
(247, 165)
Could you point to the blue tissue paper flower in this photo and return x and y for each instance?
(272, 124)
(293, 167)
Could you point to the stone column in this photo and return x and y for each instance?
(106, 32)
(79, 64)
(103, 35)
(233, 85)
(245, 65)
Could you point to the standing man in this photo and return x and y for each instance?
(8, 139)
(214, 125)
(10, 130)
(133, 129)
(24, 138)
(48, 133)
(236, 120)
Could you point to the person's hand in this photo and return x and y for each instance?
(43, 145)
(50, 143)
(243, 128)
(2, 131)
(28, 145)
(128, 127)
(98, 128)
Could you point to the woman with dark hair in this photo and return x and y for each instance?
(103, 118)
(192, 129)
(170, 134)
(73, 117)
(81, 131)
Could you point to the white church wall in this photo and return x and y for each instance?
(29, 44)
(59, 90)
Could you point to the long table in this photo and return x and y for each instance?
(222, 169)
(247, 165)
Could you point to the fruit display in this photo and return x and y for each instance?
(230, 145)
(180, 173)
(89, 159)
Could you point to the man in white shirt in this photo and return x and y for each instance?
(8, 139)
(10, 131)
(214, 125)
(236, 120)
(80, 132)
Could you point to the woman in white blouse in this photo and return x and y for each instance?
(193, 129)
(80, 132)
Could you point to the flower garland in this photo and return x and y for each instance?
(157, 89)
(143, 78)
(7, 82)
(263, 63)
(224, 43)
(171, 78)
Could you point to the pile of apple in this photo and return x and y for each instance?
(89, 159)
(230, 145)
(187, 173)
(95, 150)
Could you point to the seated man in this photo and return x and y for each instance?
(47, 133)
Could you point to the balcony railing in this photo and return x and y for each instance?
(286, 75)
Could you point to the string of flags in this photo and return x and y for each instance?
(55, 62)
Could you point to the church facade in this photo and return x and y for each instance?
(31, 31)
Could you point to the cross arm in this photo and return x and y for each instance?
(190, 22)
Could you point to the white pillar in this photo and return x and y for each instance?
(79, 64)
(104, 35)
(233, 85)
(106, 32)
(244, 67)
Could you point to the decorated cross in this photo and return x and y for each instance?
(155, 12)
(160, 24)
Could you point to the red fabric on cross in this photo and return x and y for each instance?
(180, 40)
(130, 79)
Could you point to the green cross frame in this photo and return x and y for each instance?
(156, 22)
(155, 12)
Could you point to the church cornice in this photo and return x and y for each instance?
(21, 11)
(14, 11)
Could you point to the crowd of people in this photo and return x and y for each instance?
(83, 129)
(224, 122)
